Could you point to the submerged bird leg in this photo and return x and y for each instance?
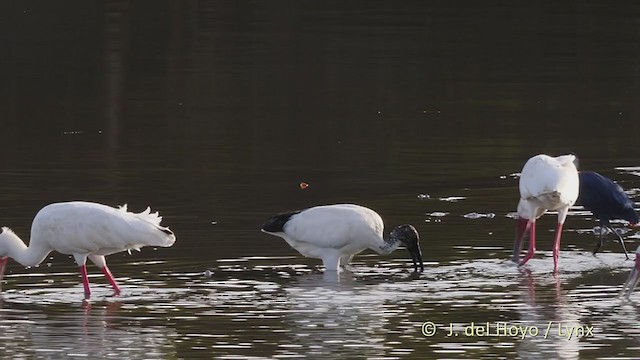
(532, 242)
(85, 281)
(621, 241)
(630, 284)
(345, 260)
(599, 243)
(331, 262)
(632, 280)
(111, 280)
(556, 247)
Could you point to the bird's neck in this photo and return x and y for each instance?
(18, 251)
(388, 245)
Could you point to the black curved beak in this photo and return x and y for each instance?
(410, 238)
(416, 256)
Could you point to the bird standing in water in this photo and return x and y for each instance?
(607, 201)
(335, 233)
(84, 230)
(546, 183)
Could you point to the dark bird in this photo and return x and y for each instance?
(335, 233)
(607, 201)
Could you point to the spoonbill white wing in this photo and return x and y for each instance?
(555, 178)
(83, 227)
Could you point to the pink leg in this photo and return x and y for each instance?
(556, 247)
(85, 281)
(3, 264)
(532, 242)
(112, 281)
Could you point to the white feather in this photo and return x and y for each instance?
(83, 228)
(547, 183)
(335, 233)
(346, 228)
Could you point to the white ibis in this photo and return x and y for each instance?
(633, 278)
(335, 233)
(546, 183)
(607, 201)
(85, 230)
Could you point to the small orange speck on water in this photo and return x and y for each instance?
(303, 185)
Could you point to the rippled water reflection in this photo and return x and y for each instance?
(251, 307)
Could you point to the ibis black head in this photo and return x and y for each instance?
(408, 235)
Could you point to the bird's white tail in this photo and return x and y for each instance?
(146, 215)
(7, 230)
(154, 219)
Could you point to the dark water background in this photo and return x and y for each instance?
(212, 112)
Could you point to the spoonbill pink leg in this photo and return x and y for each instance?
(112, 281)
(3, 264)
(85, 281)
(556, 247)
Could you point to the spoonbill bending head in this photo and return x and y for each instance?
(546, 183)
(84, 230)
(335, 233)
(633, 278)
(607, 201)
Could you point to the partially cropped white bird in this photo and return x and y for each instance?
(633, 278)
(85, 230)
(335, 233)
(546, 183)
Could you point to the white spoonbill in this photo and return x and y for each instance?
(546, 183)
(335, 233)
(633, 278)
(85, 230)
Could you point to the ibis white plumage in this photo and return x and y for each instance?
(335, 233)
(546, 183)
(633, 278)
(85, 230)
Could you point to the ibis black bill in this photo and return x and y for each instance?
(408, 235)
(416, 256)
